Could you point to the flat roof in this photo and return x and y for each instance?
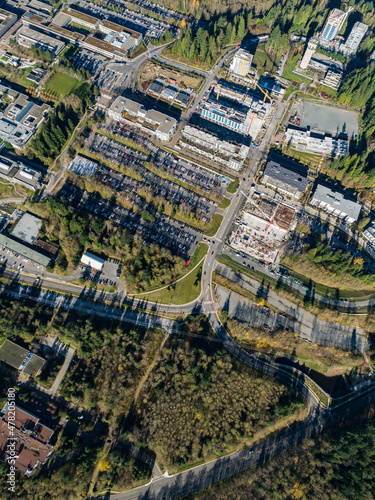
(93, 261)
(27, 228)
(20, 358)
(100, 44)
(61, 19)
(337, 201)
(12, 354)
(80, 15)
(294, 179)
(34, 365)
(117, 27)
(24, 250)
(330, 120)
(58, 30)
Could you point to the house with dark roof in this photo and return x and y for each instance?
(285, 179)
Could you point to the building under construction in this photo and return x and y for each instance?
(237, 108)
(262, 228)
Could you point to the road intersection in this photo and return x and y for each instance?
(117, 306)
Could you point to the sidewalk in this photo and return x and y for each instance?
(63, 370)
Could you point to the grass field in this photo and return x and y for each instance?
(232, 186)
(184, 291)
(306, 158)
(61, 85)
(264, 61)
(213, 227)
(225, 202)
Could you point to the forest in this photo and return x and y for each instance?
(324, 264)
(205, 43)
(103, 348)
(143, 266)
(337, 465)
(200, 402)
(111, 359)
(357, 168)
(56, 130)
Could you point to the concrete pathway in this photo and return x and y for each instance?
(63, 370)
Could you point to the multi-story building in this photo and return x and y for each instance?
(285, 179)
(18, 173)
(233, 117)
(151, 121)
(27, 37)
(7, 19)
(29, 437)
(335, 203)
(209, 145)
(369, 235)
(106, 38)
(332, 26)
(21, 117)
(241, 63)
(333, 79)
(305, 140)
(309, 52)
(355, 38)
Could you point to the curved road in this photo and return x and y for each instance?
(197, 478)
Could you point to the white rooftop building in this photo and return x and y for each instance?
(355, 38)
(332, 79)
(27, 228)
(18, 173)
(89, 259)
(335, 203)
(205, 144)
(241, 62)
(332, 26)
(151, 121)
(304, 140)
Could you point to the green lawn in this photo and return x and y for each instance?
(307, 158)
(232, 186)
(264, 61)
(213, 227)
(61, 85)
(225, 202)
(186, 290)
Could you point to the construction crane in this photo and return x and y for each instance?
(266, 95)
(227, 91)
(268, 225)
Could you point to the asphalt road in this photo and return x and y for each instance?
(306, 325)
(195, 479)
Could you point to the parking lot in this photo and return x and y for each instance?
(113, 78)
(180, 238)
(181, 169)
(91, 62)
(18, 262)
(127, 17)
(152, 184)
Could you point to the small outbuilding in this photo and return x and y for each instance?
(89, 259)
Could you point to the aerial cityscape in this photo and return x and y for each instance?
(187, 250)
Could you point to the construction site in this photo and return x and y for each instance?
(262, 228)
(151, 70)
(237, 108)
